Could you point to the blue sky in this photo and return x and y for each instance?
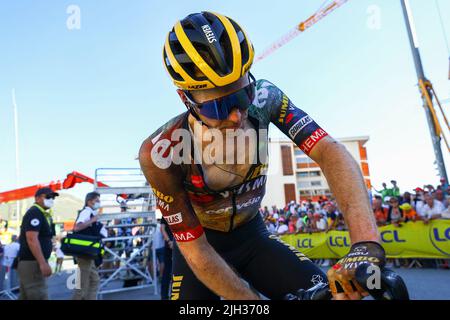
(87, 98)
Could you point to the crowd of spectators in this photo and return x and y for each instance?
(389, 206)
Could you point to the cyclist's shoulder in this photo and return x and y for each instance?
(267, 98)
(154, 151)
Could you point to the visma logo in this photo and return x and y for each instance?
(339, 241)
(440, 238)
(304, 243)
(74, 280)
(390, 236)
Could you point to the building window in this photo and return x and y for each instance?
(316, 183)
(303, 160)
(308, 174)
(286, 160)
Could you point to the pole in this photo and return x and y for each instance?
(436, 139)
(16, 134)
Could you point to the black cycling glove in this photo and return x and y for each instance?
(342, 276)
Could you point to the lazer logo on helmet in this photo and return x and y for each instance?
(209, 33)
(197, 86)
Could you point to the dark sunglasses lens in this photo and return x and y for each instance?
(49, 197)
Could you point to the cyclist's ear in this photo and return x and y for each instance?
(183, 97)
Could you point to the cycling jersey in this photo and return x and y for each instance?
(184, 198)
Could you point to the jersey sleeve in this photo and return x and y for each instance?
(166, 181)
(292, 121)
(32, 221)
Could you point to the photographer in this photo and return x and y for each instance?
(87, 224)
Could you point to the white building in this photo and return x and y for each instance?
(294, 176)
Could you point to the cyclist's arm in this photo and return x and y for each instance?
(347, 185)
(213, 271)
(175, 206)
(340, 169)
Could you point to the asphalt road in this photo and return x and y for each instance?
(423, 284)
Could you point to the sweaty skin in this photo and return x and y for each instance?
(270, 106)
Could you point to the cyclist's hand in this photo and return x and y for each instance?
(341, 276)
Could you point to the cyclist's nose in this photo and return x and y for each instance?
(235, 116)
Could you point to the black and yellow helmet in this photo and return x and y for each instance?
(207, 50)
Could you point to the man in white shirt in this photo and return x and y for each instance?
(282, 227)
(87, 223)
(9, 254)
(432, 209)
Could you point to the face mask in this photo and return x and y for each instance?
(49, 203)
(97, 205)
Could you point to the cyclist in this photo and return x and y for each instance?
(212, 206)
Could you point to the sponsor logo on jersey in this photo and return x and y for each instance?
(162, 205)
(239, 206)
(189, 235)
(283, 108)
(259, 170)
(201, 198)
(35, 222)
(315, 137)
(299, 126)
(289, 118)
(209, 33)
(247, 187)
(197, 181)
(162, 196)
(174, 218)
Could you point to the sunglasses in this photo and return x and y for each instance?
(50, 197)
(220, 108)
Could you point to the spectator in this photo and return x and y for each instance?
(10, 252)
(320, 222)
(395, 214)
(108, 257)
(159, 246)
(385, 192)
(301, 222)
(282, 228)
(167, 274)
(432, 209)
(59, 256)
(439, 195)
(407, 198)
(444, 186)
(340, 224)
(86, 223)
(409, 214)
(395, 190)
(380, 212)
(36, 233)
(292, 225)
(419, 199)
(270, 226)
(265, 213)
(1, 264)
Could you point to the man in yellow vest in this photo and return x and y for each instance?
(36, 234)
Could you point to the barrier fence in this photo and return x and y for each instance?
(410, 240)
